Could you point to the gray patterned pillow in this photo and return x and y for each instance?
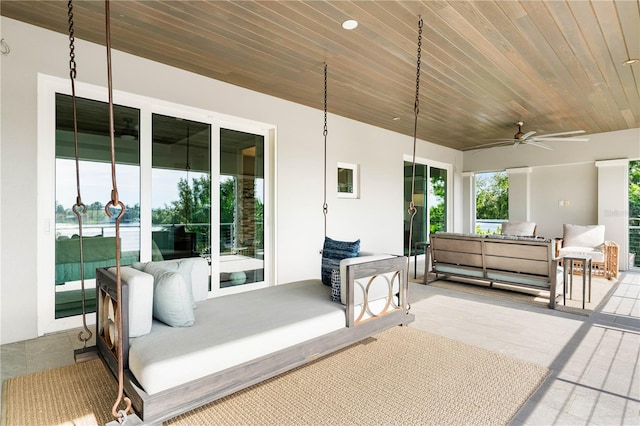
(335, 285)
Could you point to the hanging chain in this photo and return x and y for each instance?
(416, 110)
(121, 415)
(325, 131)
(79, 208)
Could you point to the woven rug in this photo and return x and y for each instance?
(400, 376)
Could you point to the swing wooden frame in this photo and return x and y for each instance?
(164, 405)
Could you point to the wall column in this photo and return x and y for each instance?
(613, 205)
(519, 193)
(468, 202)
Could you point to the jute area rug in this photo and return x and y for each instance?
(400, 376)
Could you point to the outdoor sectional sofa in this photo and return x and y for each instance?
(517, 261)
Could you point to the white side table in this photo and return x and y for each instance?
(567, 262)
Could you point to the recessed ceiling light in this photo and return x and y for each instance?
(631, 61)
(396, 118)
(349, 24)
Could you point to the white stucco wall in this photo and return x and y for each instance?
(564, 185)
(376, 217)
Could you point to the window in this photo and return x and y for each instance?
(492, 201)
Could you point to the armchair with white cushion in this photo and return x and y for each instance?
(588, 240)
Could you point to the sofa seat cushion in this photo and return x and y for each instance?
(515, 278)
(595, 254)
(459, 270)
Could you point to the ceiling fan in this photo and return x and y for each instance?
(529, 138)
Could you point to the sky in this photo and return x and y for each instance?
(95, 183)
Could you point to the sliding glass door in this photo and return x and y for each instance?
(242, 202)
(181, 188)
(98, 230)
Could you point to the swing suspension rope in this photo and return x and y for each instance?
(416, 110)
(115, 203)
(325, 131)
(79, 208)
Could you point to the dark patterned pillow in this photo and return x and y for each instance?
(333, 252)
(335, 286)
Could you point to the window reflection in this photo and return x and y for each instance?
(98, 230)
(241, 208)
(181, 188)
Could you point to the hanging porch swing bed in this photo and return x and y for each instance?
(238, 340)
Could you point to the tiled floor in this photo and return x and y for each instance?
(595, 360)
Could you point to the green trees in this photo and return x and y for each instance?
(492, 196)
(192, 206)
(437, 220)
(634, 210)
(634, 191)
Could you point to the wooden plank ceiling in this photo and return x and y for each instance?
(556, 65)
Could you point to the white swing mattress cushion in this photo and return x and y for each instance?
(231, 330)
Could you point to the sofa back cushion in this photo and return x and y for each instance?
(582, 235)
(173, 302)
(184, 267)
(195, 271)
(519, 228)
(140, 300)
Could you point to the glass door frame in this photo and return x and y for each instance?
(269, 176)
(449, 188)
(48, 86)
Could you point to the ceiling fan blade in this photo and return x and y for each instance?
(539, 145)
(569, 139)
(498, 142)
(526, 135)
(573, 132)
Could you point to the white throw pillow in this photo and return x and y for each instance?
(181, 266)
(140, 300)
(172, 303)
(583, 235)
